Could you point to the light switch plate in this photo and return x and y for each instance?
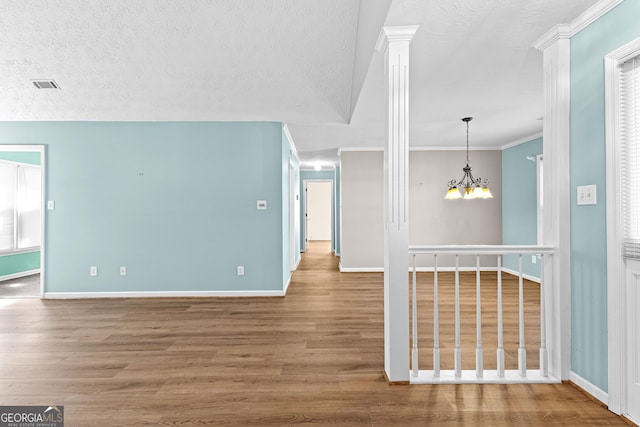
(262, 205)
(51, 205)
(587, 195)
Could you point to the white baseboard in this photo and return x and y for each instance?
(18, 275)
(589, 388)
(162, 294)
(360, 269)
(525, 276)
(286, 285)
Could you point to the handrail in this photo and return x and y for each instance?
(480, 249)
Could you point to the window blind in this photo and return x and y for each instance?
(630, 155)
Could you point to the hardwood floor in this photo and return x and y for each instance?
(313, 357)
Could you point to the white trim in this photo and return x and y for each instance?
(616, 277)
(451, 269)
(162, 294)
(560, 31)
(517, 274)
(292, 145)
(27, 148)
(592, 14)
(326, 168)
(348, 149)
(395, 34)
(360, 269)
(43, 179)
(286, 285)
(593, 390)
(489, 377)
(20, 251)
(557, 198)
(304, 209)
(19, 275)
(522, 141)
(481, 249)
(476, 148)
(566, 31)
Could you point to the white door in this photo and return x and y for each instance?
(319, 210)
(633, 339)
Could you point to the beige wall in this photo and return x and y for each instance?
(361, 197)
(432, 220)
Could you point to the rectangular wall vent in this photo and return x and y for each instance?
(46, 84)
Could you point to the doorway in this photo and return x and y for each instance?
(22, 221)
(318, 211)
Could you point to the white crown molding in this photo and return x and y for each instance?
(348, 149)
(566, 31)
(388, 34)
(325, 168)
(522, 140)
(592, 14)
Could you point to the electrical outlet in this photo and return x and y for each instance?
(123, 271)
(534, 259)
(240, 270)
(93, 270)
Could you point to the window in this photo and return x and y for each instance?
(630, 154)
(20, 210)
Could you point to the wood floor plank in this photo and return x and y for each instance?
(314, 357)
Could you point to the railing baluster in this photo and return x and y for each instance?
(544, 369)
(479, 368)
(522, 352)
(436, 328)
(500, 355)
(414, 309)
(458, 375)
(457, 351)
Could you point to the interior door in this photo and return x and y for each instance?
(318, 210)
(633, 339)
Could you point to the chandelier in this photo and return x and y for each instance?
(468, 187)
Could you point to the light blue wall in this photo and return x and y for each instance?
(519, 202)
(174, 202)
(588, 223)
(317, 175)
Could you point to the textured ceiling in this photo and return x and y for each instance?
(308, 63)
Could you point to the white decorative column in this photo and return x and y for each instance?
(394, 43)
(556, 221)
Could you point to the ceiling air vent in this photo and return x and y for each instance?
(46, 84)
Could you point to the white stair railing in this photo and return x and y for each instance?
(479, 375)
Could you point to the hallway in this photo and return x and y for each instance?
(312, 357)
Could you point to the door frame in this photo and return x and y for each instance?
(43, 173)
(616, 270)
(333, 225)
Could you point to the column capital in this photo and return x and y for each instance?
(391, 34)
(560, 31)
